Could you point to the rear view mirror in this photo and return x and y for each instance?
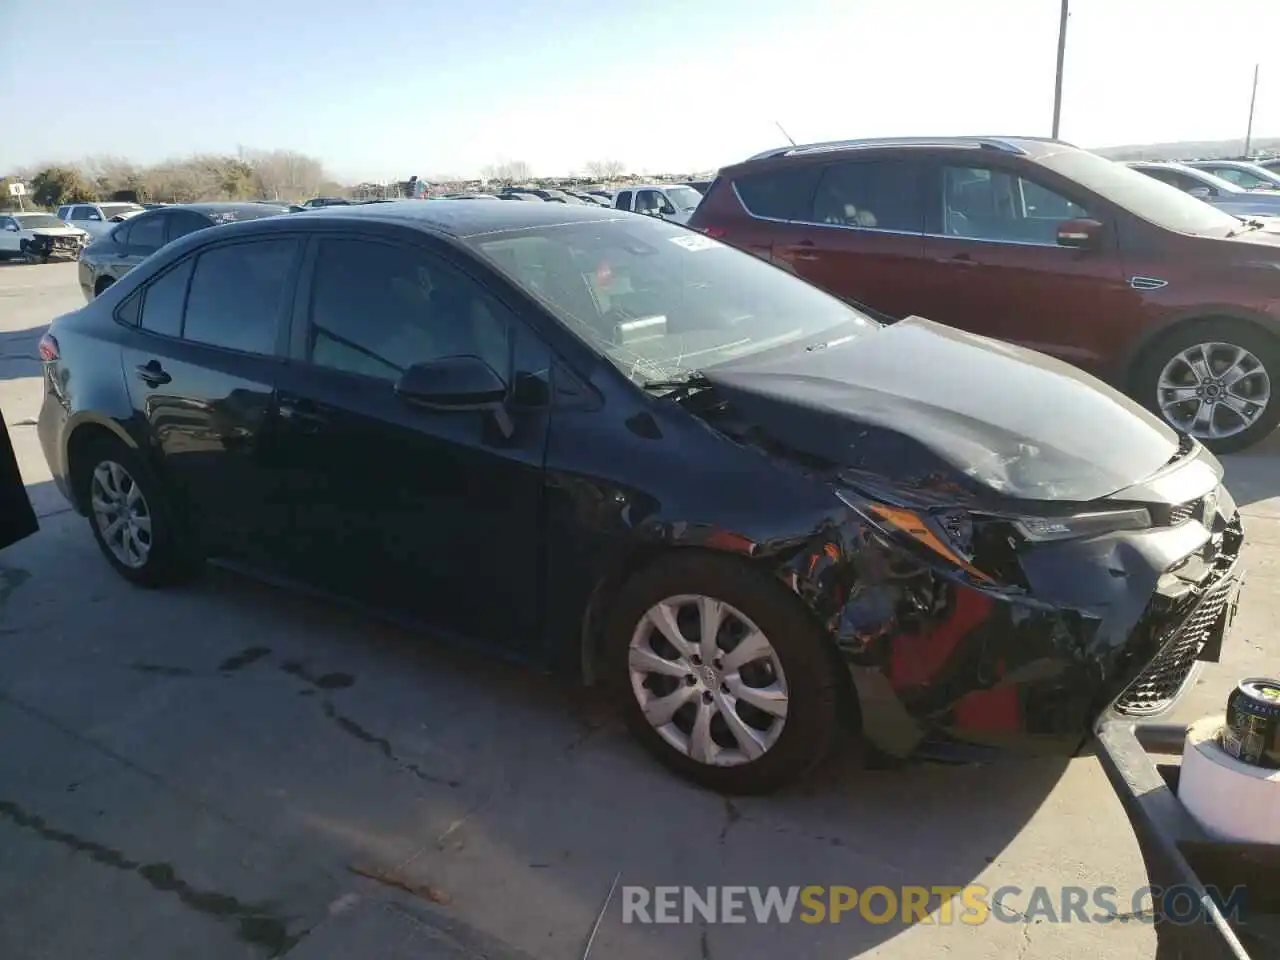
(1080, 234)
(453, 383)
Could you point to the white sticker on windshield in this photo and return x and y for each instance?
(694, 242)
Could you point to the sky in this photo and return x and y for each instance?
(384, 89)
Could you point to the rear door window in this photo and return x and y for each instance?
(623, 200)
(870, 194)
(785, 194)
(182, 222)
(238, 294)
(144, 234)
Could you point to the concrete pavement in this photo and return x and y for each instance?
(229, 771)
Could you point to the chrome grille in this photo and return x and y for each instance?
(1162, 681)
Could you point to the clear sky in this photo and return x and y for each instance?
(381, 89)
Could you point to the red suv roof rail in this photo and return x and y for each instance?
(1003, 144)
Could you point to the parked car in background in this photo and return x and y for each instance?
(1272, 163)
(702, 186)
(96, 219)
(284, 205)
(39, 237)
(1249, 176)
(1203, 185)
(518, 195)
(674, 202)
(716, 487)
(606, 195)
(467, 196)
(326, 202)
(152, 206)
(109, 257)
(1035, 242)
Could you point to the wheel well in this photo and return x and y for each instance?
(80, 445)
(597, 615)
(1149, 346)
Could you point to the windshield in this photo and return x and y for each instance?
(660, 301)
(685, 198)
(37, 221)
(1153, 201)
(110, 210)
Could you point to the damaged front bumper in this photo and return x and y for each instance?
(951, 666)
(49, 247)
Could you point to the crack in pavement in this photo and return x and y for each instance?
(256, 923)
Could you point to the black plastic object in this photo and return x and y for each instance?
(1252, 730)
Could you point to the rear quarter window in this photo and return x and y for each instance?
(785, 194)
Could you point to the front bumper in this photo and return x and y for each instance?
(945, 666)
(43, 246)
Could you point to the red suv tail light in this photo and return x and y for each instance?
(715, 233)
(49, 347)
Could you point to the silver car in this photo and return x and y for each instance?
(1223, 194)
(1243, 173)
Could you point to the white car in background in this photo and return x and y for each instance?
(667, 201)
(38, 237)
(96, 219)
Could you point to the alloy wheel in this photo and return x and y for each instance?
(121, 513)
(1213, 390)
(708, 680)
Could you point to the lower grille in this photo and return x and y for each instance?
(1159, 684)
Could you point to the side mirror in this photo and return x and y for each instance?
(453, 383)
(12, 227)
(1080, 234)
(1200, 193)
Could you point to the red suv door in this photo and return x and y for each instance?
(862, 234)
(995, 266)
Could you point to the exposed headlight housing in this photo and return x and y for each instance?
(963, 538)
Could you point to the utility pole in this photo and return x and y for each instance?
(1253, 99)
(1062, 56)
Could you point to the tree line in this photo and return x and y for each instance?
(245, 175)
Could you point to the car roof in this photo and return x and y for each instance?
(1025, 146)
(464, 219)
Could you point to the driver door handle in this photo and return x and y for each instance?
(152, 374)
(804, 250)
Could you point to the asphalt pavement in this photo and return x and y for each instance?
(228, 770)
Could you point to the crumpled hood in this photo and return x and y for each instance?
(1018, 423)
(57, 232)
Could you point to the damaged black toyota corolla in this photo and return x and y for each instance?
(609, 443)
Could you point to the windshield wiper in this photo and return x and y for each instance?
(693, 380)
(1247, 224)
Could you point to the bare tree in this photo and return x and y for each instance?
(508, 172)
(605, 170)
(285, 174)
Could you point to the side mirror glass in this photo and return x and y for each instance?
(1080, 234)
(453, 383)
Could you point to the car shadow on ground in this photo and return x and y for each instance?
(497, 796)
(19, 352)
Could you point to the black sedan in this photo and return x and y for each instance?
(119, 250)
(610, 444)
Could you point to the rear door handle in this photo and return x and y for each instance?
(152, 374)
(963, 260)
(804, 250)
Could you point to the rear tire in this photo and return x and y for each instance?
(132, 516)
(726, 734)
(1218, 380)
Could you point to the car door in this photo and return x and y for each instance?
(133, 241)
(87, 218)
(995, 266)
(10, 236)
(861, 235)
(201, 369)
(432, 513)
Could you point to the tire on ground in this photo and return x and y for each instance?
(817, 685)
(1239, 333)
(171, 558)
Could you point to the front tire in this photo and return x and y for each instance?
(132, 517)
(1218, 380)
(722, 674)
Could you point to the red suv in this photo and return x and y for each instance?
(1039, 243)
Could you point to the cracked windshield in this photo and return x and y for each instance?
(657, 481)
